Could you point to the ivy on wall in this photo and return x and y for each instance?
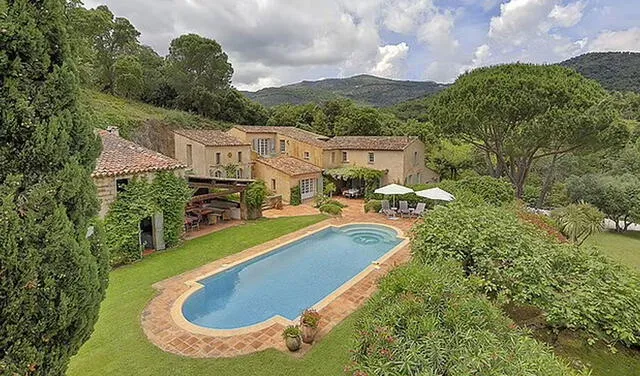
(141, 199)
(296, 196)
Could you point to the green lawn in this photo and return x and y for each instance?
(624, 248)
(119, 347)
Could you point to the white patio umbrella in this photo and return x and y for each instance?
(393, 190)
(436, 194)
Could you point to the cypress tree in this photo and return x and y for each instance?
(53, 271)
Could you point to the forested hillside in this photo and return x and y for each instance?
(363, 89)
(616, 71)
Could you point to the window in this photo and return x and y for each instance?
(283, 146)
(121, 184)
(240, 156)
(239, 173)
(333, 157)
(307, 155)
(189, 155)
(418, 178)
(218, 156)
(273, 185)
(262, 146)
(415, 157)
(307, 188)
(217, 174)
(407, 180)
(372, 157)
(345, 156)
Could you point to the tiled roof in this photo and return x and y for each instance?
(369, 142)
(210, 137)
(123, 157)
(293, 132)
(290, 165)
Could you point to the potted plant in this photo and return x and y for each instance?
(309, 321)
(291, 335)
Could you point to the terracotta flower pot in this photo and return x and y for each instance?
(308, 333)
(293, 343)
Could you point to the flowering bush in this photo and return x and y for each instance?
(430, 320)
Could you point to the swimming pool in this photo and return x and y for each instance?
(288, 279)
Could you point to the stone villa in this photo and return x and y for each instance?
(285, 157)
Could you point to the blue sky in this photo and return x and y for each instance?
(276, 42)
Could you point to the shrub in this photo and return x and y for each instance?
(429, 320)
(332, 209)
(579, 221)
(296, 196)
(492, 191)
(255, 194)
(373, 206)
(576, 288)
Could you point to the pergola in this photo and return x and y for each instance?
(223, 187)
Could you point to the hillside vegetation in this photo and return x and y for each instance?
(143, 123)
(363, 89)
(616, 71)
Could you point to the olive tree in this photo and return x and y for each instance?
(516, 114)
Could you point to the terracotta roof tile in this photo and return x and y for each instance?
(209, 137)
(122, 157)
(369, 143)
(293, 132)
(290, 165)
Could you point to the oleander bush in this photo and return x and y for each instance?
(517, 262)
(431, 320)
(331, 208)
(373, 206)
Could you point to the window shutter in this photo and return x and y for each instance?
(255, 144)
(272, 146)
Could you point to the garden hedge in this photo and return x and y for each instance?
(516, 262)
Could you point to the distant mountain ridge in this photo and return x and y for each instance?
(616, 71)
(363, 89)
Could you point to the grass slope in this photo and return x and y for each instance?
(129, 115)
(363, 89)
(118, 345)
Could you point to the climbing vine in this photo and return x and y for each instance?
(141, 199)
(296, 196)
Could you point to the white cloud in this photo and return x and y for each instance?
(404, 16)
(390, 60)
(569, 15)
(625, 40)
(437, 32)
(519, 20)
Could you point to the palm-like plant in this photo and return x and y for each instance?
(579, 221)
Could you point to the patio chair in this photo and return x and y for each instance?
(404, 209)
(420, 209)
(386, 209)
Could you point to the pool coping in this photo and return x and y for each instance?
(194, 285)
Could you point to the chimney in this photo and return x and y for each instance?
(113, 130)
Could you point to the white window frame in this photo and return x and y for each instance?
(217, 174)
(283, 146)
(307, 155)
(372, 157)
(308, 188)
(345, 157)
(262, 146)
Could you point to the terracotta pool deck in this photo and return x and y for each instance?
(168, 334)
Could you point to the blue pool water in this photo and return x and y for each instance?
(289, 279)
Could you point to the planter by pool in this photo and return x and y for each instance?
(281, 283)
